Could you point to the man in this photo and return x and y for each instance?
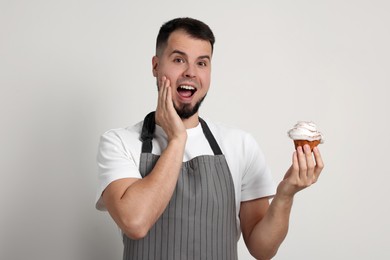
(182, 188)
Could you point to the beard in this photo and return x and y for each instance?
(186, 111)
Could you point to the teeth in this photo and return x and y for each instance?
(187, 87)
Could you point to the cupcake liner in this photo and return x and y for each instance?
(303, 142)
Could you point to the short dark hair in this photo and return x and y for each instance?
(195, 28)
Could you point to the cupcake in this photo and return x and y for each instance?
(305, 132)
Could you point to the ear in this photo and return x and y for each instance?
(155, 66)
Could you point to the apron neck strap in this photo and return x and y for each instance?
(147, 133)
(149, 126)
(210, 137)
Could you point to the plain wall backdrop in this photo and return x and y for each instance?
(70, 70)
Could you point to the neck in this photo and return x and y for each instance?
(191, 122)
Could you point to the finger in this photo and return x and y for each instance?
(161, 82)
(319, 162)
(168, 95)
(160, 87)
(295, 163)
(163, 90)
(294, 169)
(309, 162)
(302, 163)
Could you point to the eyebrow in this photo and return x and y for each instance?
(184, 54)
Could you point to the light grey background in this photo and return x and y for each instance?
(70, 70)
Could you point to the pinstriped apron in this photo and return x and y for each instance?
(200, 219)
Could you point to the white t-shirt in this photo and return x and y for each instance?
(120, 150)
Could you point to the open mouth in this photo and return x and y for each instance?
(186, 91)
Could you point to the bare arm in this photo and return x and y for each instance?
(264, 228)
(136, 204)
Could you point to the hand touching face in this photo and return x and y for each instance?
(166, 116)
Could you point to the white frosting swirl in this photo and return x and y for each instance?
(305, 130)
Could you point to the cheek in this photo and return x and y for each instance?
(206, 80)
(171, 73)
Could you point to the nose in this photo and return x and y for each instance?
(190, 71)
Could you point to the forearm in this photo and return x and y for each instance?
(264, 239)
(268, 234)
(143, 202)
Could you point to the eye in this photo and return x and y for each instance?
(178, 60)
(202, 63)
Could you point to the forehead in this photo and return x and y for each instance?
(182, 41)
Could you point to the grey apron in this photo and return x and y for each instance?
(200, 219)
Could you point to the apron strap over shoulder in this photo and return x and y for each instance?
(147, 132)
(210, 137)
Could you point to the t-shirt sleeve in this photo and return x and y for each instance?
(257, 181)
(114, 162)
